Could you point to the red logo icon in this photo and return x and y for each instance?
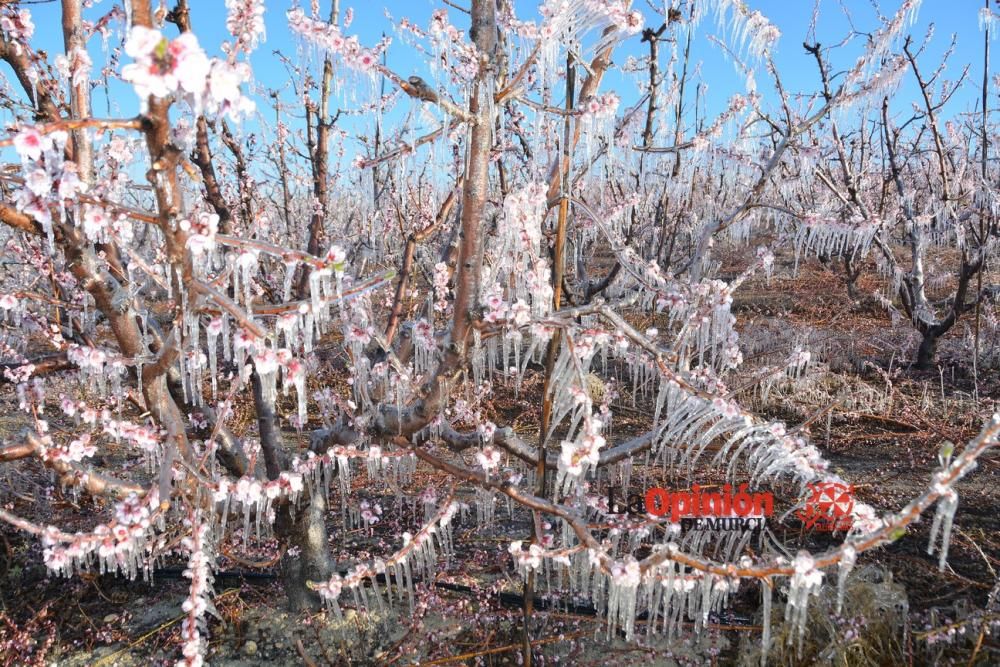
(829, 507)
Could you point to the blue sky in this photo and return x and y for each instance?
(791, 16)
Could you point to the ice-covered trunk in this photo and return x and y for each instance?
(852, 271)
(928, 349)
(302, 529)
(307, 558)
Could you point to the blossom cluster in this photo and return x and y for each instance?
(763, 34)
(8, 302)
(626, 574)
(371, 512)
(525, 560)
(520, 248)
(75, 451)
(92, 359)
(601, 106)
(497, 310)
(750, 28)
(202, 229)
(245, 22)
(413, 554)
(146, 438)
(329, 37)
(334, 260)
(441, 278)
(164, 67)
(450, 40)
(559, 16)
(199, 572)
(18, 25)
(617, 11)
(577, 456)
(48, 177)
(792, 453)
(489, 457)
(312, 463)
(117, 545)
(587, 342)
(249, 491)
(95, 223)
(423, 335)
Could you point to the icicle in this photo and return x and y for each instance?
(316, 297)
(847, 560)
(766, 589)
(247, 265)
(623, 586)
(485, 504)
(408, 580)
(267, 369)
(69, 320)
(943, 518)
(246, 523)
(806, 580)
(307, 332)
(478, 358)
(227, 348)
(212, 332)
(289, 275)
(299, 380)
(387, 573)
(185, 379)
(49, 234)
(354, 594)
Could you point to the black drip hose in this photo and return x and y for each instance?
(505, 598)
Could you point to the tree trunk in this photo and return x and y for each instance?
(852, 271)
(305, 534)
(307, 559)
(927, 350)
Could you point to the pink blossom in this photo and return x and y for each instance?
(330, 590)
(162, 67)
(486, 430)
(530, 559)
(245, 22)
(627, 574)
(38, 182)
(30, 143)
(335, 258)
(95, 222)
(295, 368)
(224, 81)
(19, 26)
(69, 182)
(266, 362)
(488, 458)
(370, 512)
(357, 334)
(244, 340)
(80, 448)
(55, 558)
(214, 327)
